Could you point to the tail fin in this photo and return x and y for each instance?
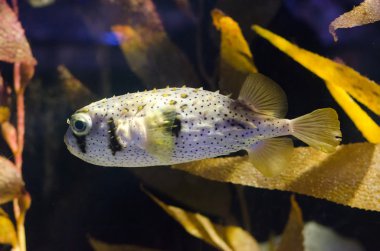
(319, 129)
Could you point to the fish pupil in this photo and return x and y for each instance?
(80, 125)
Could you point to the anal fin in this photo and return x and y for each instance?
(271, 156)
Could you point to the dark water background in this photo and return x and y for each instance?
(73, 200)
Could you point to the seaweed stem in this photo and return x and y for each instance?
(24, 202)
(19, 213)
(21, 232)
(20, 106)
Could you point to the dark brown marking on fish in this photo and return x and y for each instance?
(81, 141)
(183, 107)
(241, 125)
(176, 128)
(139, 108)
(114, 144)
(81, 111)
(235, 122)
(240, 153)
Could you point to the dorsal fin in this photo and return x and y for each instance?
(263, 96)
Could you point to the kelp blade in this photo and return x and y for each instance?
(365, 124)
(236, 60)
(367, 12)
(150, 53)
(292, 237)
(350, 176)
(103, 246)
(226, 238)
(234, 48)
(361, 88)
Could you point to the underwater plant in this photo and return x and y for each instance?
(367, 12)
(14, 49)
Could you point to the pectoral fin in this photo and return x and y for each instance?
(159, 133)
(271, 156)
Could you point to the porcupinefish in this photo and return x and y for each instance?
(176, 125)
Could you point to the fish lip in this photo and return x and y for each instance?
(66, 138)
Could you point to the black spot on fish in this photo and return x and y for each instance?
(81, 141)
(176, 128)
(114, 145)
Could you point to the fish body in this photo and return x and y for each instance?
(176, 125)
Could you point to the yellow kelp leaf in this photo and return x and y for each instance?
(292, 237)
(7, 230)
(234, 49)
(366, 125)
(361, 88)
(226, 238)
(239, 239)
(349, 176)
(149, 51)
(236, 59)
(247, 12)
(4, 114)
(102, 246)
(367, 12)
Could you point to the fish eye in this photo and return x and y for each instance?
(80, 124)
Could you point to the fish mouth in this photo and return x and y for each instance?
(71, 148)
